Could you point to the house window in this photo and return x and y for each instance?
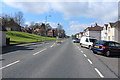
(108, 29)
(109, 38)
(113, 38)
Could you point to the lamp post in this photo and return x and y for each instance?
(46, 19)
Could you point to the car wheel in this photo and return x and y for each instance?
(81, 45)
(108, 53)
(94, 52)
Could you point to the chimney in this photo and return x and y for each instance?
(96, 25)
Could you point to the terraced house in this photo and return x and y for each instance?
(111, 32)
(93, 31)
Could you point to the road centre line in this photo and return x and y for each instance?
(81, 51)
(10, 64)
(39, 52)
(90, 61)
(85, 55)
(100, 74)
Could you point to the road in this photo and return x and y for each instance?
(51, 60)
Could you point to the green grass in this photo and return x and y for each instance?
(22, 37)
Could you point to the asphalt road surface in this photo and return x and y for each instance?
(52, 60)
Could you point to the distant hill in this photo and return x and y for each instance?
(22, 37)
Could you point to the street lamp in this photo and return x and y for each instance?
(46, 18)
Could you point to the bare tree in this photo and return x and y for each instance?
(19, 18)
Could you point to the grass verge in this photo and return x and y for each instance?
(22, 37)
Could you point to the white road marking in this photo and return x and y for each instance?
(100, 74)
(10, 64)
(90, 61)
(81, 51)
(39, 52)
(52, 45)
(85, 55)
(78, 47)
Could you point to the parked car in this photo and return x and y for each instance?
(58, 41)
(87, 41)
(76, 40)
(107, 48)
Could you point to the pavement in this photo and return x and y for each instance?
(52, 60)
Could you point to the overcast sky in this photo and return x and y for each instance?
(74, 15)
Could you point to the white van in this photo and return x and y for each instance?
(87, 41)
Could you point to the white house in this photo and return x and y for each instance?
(93, 31)
(113, 32)
(104, 32)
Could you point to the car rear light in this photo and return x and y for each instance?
(103, 47)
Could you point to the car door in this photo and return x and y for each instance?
(112, 47)
(86, 42)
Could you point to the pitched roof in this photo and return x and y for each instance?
(105, 26)
(51, 30)
(112, 24)
(116, 24)
(96, 28)
(81, 32)
(39, 30)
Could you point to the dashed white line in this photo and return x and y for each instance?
(85, 55)
(52, 45)
(90, 61)
(81, 51)
(10, 64)
(39, 52)
(100, 74)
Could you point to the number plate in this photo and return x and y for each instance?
(96, 46)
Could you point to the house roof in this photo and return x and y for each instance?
(81, 32)
(105, 26)
(95, 28)
(51, 30)
(39, 30)
(112, 24)
(116, 24)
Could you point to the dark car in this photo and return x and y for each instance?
(107, 48)
(76, 40)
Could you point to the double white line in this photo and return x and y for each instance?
(39, 52)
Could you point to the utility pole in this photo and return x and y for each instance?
(46, 19)
(59, 29)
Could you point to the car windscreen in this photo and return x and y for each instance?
(75, 39)
(93, 40)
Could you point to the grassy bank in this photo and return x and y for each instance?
(22, 37)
